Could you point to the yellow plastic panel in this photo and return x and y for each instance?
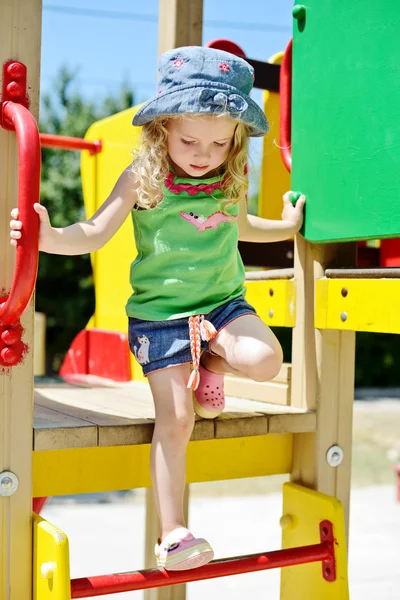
(358, 305)
(51, 576)
(303, 510)
(275, 301)
(86, 470)
(111, 264)
(275, 179)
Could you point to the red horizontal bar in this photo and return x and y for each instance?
(69, 143)
(100, 585)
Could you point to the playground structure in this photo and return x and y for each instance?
(301, 422)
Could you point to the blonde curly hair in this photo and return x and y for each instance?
(151, 165)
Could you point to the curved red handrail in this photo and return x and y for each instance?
(285, 126)
(26, 265)
(227, 46)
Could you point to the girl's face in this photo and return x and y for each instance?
(200, 145)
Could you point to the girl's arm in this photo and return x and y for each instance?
(256, 229)
(86, 236)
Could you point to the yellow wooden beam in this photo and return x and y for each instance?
(86, 470)
(274, 300)
(51, 575)
(358, 305)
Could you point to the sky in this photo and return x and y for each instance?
(107, 43)
(110, 42)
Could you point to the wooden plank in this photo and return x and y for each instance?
(274, 300)
(54, 430)
(20, 39)
(267, 391)
(384, 273)
(70, 417)
(340, 304)
(140, 431)
(231, 425)
(295, 423)
(86, 470)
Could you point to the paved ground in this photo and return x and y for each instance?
(107, 538)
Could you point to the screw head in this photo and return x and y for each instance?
(8, 483)
(343, 316)
(334, 456)
(270, 313)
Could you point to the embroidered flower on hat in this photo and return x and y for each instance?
(178, 63)
(224, 67)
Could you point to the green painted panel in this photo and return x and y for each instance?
(346, 118)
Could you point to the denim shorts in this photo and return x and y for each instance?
(160, 344)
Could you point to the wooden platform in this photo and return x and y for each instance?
(92, 412)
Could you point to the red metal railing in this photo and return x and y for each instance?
(324, 552)
(285, 126)
(69, 143)
(17, 117)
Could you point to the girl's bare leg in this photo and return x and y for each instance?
(246, 346)
(172, 431)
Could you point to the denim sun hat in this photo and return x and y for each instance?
(201, 80)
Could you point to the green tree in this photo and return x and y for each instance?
(64, 289)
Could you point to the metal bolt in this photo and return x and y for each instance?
(343, 316)
(15, 90)
(334, 456)
(286, 522)
(271, 313)
(8, 483)
(15, 70)
(345, 291)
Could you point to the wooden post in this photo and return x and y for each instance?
(20, 36)
(322, 377)
(180, 24)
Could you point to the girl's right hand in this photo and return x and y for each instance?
(16, 225)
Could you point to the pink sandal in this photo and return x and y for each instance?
(209, 397)
(180, 551)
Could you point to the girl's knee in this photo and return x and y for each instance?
(177, 427)
(264, 363)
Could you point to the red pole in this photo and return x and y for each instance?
(69, 143)
(100, 585)
(285, 125)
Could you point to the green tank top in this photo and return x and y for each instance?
(188, 261)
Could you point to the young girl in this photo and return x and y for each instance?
(188, 320)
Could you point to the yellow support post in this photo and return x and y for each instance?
(303, 511)
(51, 576)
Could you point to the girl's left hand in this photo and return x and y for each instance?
(293, 214)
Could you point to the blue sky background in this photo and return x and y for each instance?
(107, 43)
